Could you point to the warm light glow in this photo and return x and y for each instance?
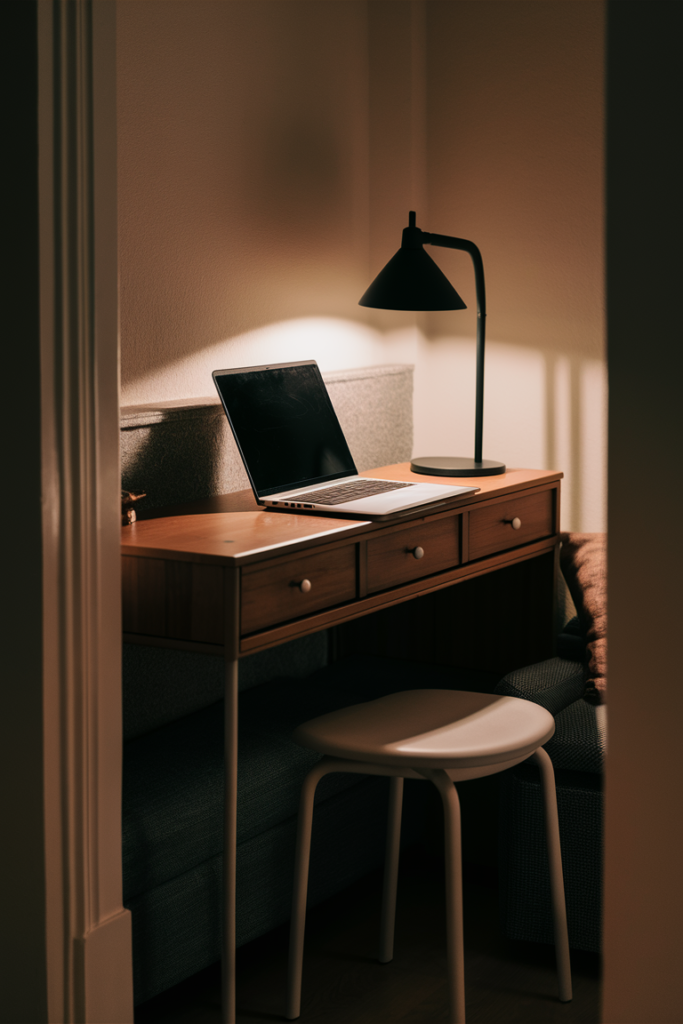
(335, 343)
(541, 410)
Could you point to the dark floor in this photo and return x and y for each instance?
(506, 982)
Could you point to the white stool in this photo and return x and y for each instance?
(444, 736)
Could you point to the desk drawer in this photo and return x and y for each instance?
(272, 593)
(506, 524)
(395, 558)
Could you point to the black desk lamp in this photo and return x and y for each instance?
(412, 281)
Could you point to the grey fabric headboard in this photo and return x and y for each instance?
(182, 450)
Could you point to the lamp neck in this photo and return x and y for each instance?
(414, 238)
(447, 242)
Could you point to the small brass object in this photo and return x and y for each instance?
(128, 499)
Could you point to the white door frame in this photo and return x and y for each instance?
(89, 972)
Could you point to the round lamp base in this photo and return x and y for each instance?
(451, 466)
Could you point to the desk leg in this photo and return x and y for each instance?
(230, 841)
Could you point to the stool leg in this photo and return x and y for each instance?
(552, 829)
(301, 862)
(388, 920)
(456, 961)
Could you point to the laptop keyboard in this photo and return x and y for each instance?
(349, 491)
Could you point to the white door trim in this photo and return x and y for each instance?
(88, 930)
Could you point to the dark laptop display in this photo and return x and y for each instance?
(285, 426)
(291, 443)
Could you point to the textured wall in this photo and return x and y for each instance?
(243, 181)
(269, 154)
(515, 157)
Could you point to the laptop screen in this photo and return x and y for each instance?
(284, 424)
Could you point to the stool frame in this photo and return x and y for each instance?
(443, 779)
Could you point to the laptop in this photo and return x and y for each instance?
(295, 452)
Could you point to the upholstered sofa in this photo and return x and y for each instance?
(572, 687)
(173, 727)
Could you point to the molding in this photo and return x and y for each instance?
(133, 416)
(103, 961)
(89, 940)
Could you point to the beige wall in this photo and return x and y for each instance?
(515, 141)
(244, 189)
(269, 153)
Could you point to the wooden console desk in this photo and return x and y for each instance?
(223, 576)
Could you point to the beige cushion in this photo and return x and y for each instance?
(583, 558)
(430, 729)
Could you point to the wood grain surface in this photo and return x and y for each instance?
(272, 594)
(491, 527)
(391, 559)
(245, 536)
(174, 566)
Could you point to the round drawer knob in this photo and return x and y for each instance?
(305, 586)
(418, 552)
(515, 523)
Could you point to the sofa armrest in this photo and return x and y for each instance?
(554, 684)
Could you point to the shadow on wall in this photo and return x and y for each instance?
(576, 433)
(542, 409)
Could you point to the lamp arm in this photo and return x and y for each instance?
(447, 242)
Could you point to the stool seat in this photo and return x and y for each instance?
(431, 729)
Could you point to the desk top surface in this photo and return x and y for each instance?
(233, 528)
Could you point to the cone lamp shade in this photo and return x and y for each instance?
(412, 281)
